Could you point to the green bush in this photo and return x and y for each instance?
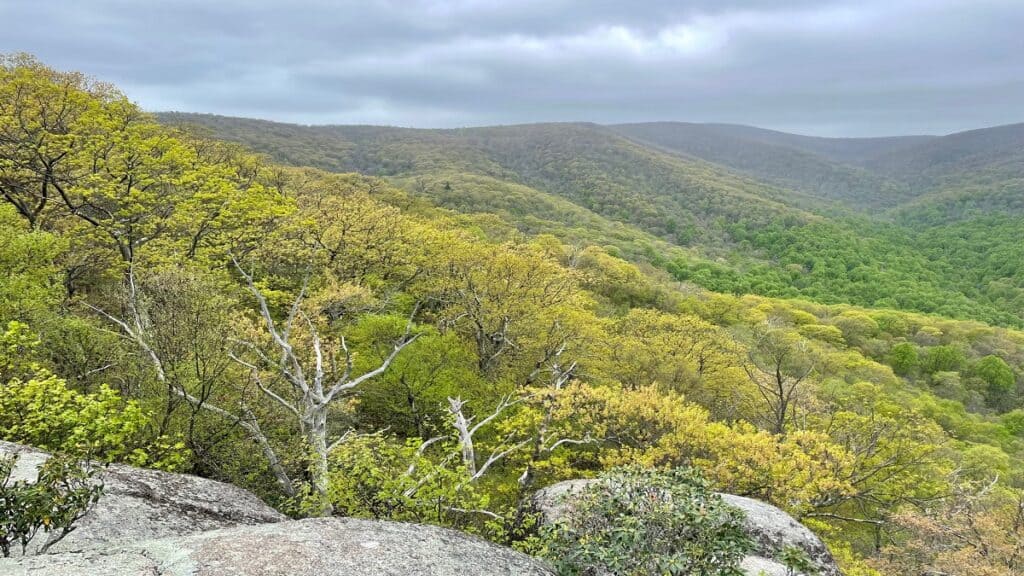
(904, 358)
(639, 522)
(65, 490)
(377, 477)
(45, 413)
(797, 562)
(39, 409)
(996, 374)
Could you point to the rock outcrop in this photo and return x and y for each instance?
(555, 501)
(140, 504)
(155, 523)
(771, 529)
(322, 546)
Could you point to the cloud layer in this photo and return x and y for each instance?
(843, 67)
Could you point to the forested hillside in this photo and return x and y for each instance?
(591, 166)
(956, 156)
(757, 211)
(849, 151)
(341, 345)
(783, 159)
(962, 174)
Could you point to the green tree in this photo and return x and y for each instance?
(996, 374)
(903, 358)
(945, 358)
(40, 132)
(780, 362)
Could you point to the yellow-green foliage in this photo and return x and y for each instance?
(374, 477)
(31, 280)
(38, 408)
(560, 358)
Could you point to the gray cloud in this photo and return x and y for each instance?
(840, 67)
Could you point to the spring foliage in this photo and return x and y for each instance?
(341, 346)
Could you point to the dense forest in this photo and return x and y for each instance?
(741, 210)
(431, 325)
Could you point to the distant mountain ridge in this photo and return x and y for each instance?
(873, 173)
(852, 150)
(924, 223)
(590, 165)
(813, 165)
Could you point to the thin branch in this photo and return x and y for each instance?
(495, 457)
(336, 443)
(343, 385)
(474, 511)
(263, 388)
(575, 442)
(419, 452)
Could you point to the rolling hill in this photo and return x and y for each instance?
(682, 199)
(879, 222)
(972, 171)
(810, 165)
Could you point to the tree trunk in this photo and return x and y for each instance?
(316, 437)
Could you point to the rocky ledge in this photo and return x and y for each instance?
(139, 504)
(151, 523)
(155, 523)
(321, 546)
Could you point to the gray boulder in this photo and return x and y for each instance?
(555, 502)
(322, 546)
(758, 566)
(140, 504)
(771, 529)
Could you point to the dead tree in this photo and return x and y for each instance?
(313, 381)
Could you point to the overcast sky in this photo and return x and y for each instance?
(844, 67)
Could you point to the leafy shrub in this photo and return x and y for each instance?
(639, 522)
(64, 492)
(45, 413)
(39, 409)
(796, 561)
(376, 477)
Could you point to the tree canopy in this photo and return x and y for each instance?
(341, 345)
